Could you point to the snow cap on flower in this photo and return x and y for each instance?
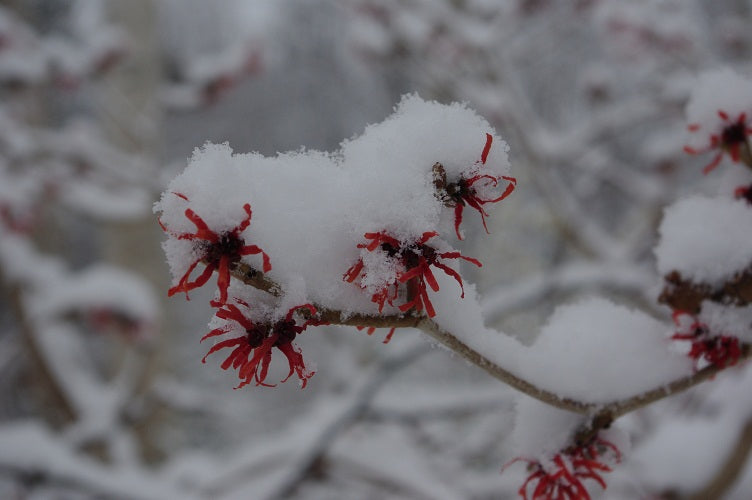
(707, 347)
(719, 116)
(717, 90)
(247, 335)
(705, 239)
(395, 158)
(597, 339)
(311, 209)
(217, 250)
(558, 466)
(542, 430)
(729, 320)
(405, 262)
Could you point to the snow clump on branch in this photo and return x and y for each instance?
(311, 209)
(298, 221)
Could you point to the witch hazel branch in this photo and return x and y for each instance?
(362, 237)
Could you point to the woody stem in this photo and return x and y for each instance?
(745, 154)
(601, 413)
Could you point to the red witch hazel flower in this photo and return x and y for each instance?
(413, 262)
(218, 251)
(562, 477)
(253, 342)
(473, 190)
(732, 140)
(717, 350)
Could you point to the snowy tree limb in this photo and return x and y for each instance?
(308, 448)
(41, 368)
(617, 275)
(730, 469)
(603, 412)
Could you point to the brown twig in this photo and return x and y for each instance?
(256, 279)
(41, 367)
(684, 295)
(600, 412)
(729, 470)
(612, 409)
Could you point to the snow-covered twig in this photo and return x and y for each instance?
(30, 448)
(617, 275)
(613, 409)
(731, 468)
(307, 450)
(42, 369)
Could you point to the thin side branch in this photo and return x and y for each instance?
(456, 345)
(729, 471)
(612, 409)
(41, 367)
(601, 412)
(684, 295)
(256, 279)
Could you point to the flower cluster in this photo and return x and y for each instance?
(219, 251)
(717, 350)
(473, 190)
(730, 137)
(252, 341)
(412, 262)
(562, 477)
(317, 199)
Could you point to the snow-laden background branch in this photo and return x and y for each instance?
(102, 389)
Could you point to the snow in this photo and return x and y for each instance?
(683, 454)
(382, 180)
(727, 320)
(717, 90)
(99, 287)
(625, 351)
(21, 263)
(705, 239)
(124, 203)
(392, 453)
(379, 181)
(646, 24)
(29, 58)
(30, 446)
(369, 37)
(540, 430)
(312, 210)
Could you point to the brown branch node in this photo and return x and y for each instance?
(684, 295)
